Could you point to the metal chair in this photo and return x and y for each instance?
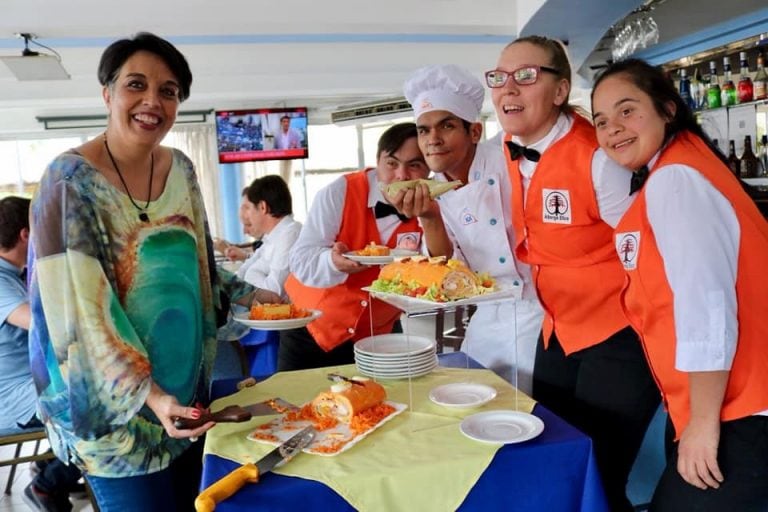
(18, 438)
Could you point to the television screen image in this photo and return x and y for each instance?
(261, 134)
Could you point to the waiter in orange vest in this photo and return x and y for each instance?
(345, 216)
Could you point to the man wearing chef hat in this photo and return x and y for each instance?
(472, 223)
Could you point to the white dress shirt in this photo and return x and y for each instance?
(310, 258)
(267, 267)
(609, 179)
(698, 236)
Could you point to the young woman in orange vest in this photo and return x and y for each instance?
(693, 246)
(566, 197)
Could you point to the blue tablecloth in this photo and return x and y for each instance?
(554, 472)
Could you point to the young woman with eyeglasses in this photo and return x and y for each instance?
(566, 198)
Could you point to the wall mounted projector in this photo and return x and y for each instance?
(32, 65)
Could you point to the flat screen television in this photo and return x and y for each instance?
(261, 134)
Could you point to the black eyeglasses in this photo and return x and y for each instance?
(526, 75)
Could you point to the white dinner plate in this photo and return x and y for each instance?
(281, 429)
(403, 375)
(502, 426)
(404, 368)
(380, 260)
(395, 363)
(462, 394)
(276, 325)
(414, 305)
(393, 345)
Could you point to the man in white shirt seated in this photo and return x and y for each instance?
(267, 215)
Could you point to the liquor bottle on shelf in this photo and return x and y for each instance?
(685, 89)
(713, 92)
(733, 160)
(749, 162)
(728, 90)
(760, 83)
(746, 91)
(762, 155)
(698, 90)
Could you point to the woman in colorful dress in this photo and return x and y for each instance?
(123, 291)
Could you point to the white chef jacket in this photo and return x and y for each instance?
(478, 219)
(267, 267)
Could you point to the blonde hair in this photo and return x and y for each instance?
(559, 61)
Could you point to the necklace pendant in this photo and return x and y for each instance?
(144, 217)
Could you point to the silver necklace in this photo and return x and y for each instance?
(142, 211)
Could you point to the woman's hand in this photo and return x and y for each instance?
(697, 451)
(697, 454)
(167, 409)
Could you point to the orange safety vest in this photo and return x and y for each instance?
(345, 306)
(559, 232)
(648, 301)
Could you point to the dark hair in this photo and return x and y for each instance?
(273, 190)
(118, 52)
(394, 138)
(661, 90)
(558, 59)
(14, 216)
(285, 117)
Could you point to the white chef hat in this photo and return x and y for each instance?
(445, 87)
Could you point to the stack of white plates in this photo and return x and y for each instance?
(395, 356)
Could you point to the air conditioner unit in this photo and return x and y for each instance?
(389, 108)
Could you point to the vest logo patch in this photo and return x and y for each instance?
(628, 247)
(556, 208)
(409, 241)
(467, 217)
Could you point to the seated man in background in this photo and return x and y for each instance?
(266, 212)
(267, 215)
(474, 222)
(347, 215)
(49, 490)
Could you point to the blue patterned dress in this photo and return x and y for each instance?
(114, 301)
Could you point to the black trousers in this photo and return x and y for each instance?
(743, 459)
(607, 392)
(299, 351)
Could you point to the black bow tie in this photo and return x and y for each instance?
(638, 179)
(257, 244)
(516, 151)
(385, 210)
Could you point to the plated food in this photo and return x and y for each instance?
(436, 188)
(277, 312)
(373, 249)
(342, 416)
(433, 279)
(279, 318)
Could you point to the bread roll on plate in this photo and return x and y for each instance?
(346, 399)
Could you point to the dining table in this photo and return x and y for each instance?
(417, 461)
